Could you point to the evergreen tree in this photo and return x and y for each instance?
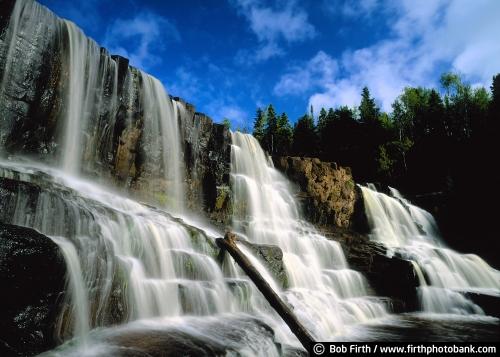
(284, 135)
(304, 137)
(270, 130)
(494, 108)
(227, 123)
(259, 125)
(495, 99)
(331, 115)
(322, 119)
(368, 110)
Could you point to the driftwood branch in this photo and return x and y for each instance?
(228, 243)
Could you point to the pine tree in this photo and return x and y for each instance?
(284, 135)
(259, 125)
(368, 110)
(322, 119)
(494, 109)
(304, 137)
(270, 129)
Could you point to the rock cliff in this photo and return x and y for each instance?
(327, 191)
(119, 141)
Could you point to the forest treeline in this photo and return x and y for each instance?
(438, 145)
(416, 145)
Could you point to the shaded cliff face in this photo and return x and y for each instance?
(328, 193)
(32, 275)
(66, 102)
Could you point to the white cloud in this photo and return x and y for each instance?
(220, 110)
(423, 41)
(286, 22)
(150, 31)
(318, 71)
(352, 8)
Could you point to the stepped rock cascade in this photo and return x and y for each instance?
(443, 273)
(82, 113)
(326, 295)
(66, 102)
(128, 262)
(121, 191)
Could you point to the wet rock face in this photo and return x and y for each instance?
(393, 277)
(30, 102)
(207, 156)
(272, 257)
(327, 191)
(32, 273)
(489, 303)
(118, 141)
(196, 336)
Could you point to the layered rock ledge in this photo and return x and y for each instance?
(327, 191)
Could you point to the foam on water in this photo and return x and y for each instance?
(443, 273)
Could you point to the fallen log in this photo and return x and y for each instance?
(228, 243)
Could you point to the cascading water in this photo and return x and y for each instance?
(161, 116)
(443, 273)
(80, 97)
(134, 270)
(125, 261)
(128, 262)
(83, 102)
(326, 295)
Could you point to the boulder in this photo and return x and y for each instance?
(189, 336)
(272, 257)
(393, 277)
(327, 191)
(32, 276)
(488, 302)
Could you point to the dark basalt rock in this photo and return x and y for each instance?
(489, 303)
(32, 276)
(196, 336)
(393, 277)
(272, 257)
(116, 142)
(207, 155)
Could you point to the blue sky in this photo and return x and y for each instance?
(227, 57)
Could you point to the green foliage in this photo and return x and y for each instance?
(270, 130)
(384, 161)
(304, 137)
(414, 145)
(284, 135)
(495, 100)
(259, 125)
(227, 123)
(368, 110)
(322, 120)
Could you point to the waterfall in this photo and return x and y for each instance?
(161, 116)
(85, 139)
(128, 262)
(326, 295)
(82, 104)
(443, 273)
(83, 56)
